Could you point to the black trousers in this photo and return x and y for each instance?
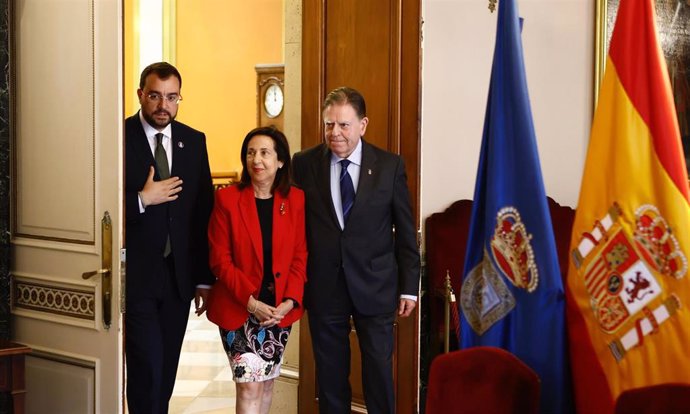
(330, 330)
(154, 330)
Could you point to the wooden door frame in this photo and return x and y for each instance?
(405, 139)
(5, 30)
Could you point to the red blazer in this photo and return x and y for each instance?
(236, 254)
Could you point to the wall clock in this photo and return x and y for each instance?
(270, 84)
(273, 100)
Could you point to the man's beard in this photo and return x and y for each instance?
(154, 123)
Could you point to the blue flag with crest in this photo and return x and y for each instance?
(512, 295)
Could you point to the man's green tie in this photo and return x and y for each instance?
(164, 173)
(161, 158)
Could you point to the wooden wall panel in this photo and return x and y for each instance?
(358, 54)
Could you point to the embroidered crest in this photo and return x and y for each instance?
(621, 274)
(657, 244)
(512, 250)
(485, 298)
(619, 282)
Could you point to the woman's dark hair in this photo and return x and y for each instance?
(283, 178)
(163, 70)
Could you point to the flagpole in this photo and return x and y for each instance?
(449, 298)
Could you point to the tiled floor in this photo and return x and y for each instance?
(204, 381)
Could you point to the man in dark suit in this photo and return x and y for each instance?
(363, 259)
(169, 197)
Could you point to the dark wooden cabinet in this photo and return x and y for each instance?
(12, 380)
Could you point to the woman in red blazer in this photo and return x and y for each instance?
(258, 253)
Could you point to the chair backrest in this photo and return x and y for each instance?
(562, 218)
(481, 380)
(445, 242)
(662, 398)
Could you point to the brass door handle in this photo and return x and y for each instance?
(105, 270)
(87, 275)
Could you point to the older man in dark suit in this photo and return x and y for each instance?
(169, 197)
(363, 259)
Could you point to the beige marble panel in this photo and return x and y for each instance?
(211, 405)
(178, 405)
(285, 388)
(293, 21)
(291, 355)
(197, 372)
(284, 396)
(293, 73)
(219, 389)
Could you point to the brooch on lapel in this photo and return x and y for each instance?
(369, 171)
(282, 209)
(180, 144)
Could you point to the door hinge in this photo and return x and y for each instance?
(123, 278)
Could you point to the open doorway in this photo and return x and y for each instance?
(216, 45)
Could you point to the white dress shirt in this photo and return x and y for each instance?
(150, 133)
(353, 169)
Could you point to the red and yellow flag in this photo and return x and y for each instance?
(628, 287)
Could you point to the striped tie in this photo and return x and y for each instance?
(347, 190)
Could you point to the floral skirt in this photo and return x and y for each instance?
(255, 353)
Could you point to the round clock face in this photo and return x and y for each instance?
(273, 100)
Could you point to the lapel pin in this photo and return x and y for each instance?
(369, 171)
(180, 144)
(282, 209)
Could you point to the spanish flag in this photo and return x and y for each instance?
(628, 289)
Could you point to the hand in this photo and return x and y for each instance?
(266, 314)
(405, 307)
(200, 300)
(280, 312)
(159, 192)
(285, 307)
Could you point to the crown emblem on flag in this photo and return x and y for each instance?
(510, 245)
(657, 243)
(622, 275)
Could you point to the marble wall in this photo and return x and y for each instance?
(4, 172)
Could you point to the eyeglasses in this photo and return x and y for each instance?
(173, 98)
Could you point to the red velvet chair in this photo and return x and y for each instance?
(482, 380)
(562, 218)
(655, 399)
(445, 244)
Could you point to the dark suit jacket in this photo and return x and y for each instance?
(237, 254)
(185, 219)
(378, 262)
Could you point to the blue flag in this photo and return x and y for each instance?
(512, 295)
